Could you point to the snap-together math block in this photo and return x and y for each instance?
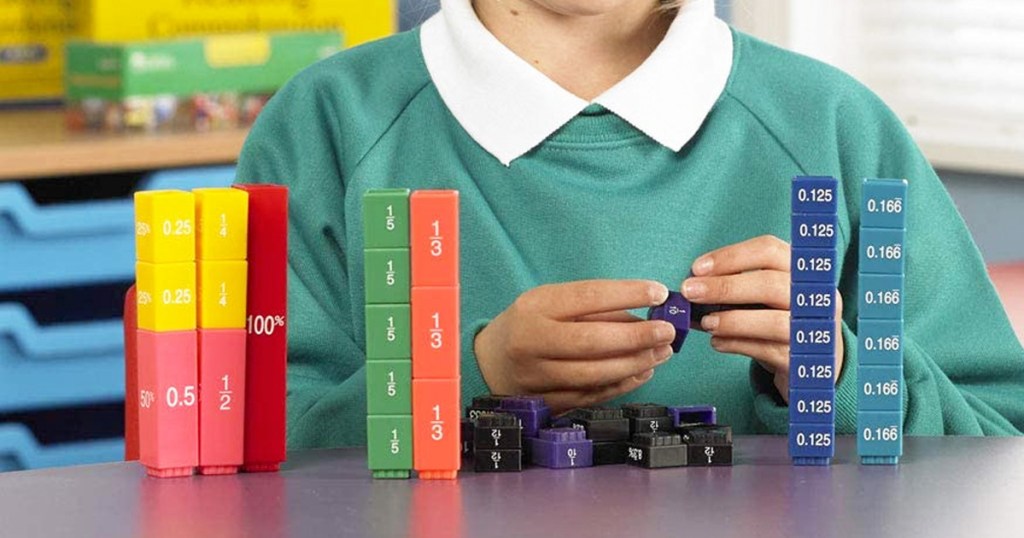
(814, 265)
(675, 310)
(647, 418)
(880, 388)
(388, 331)
(221, 400)
(497, 431)
(698, 455)
(656, 450)
(165, 296)
(482, 404)
(222, 219)
(165, 229)
(222, 294)
(812, 405)
(389, 445)
(388, 387)
(819, 230)
(808, 300)
(812, 371)
(131, 378)
(879, 437)
(601, 423)
(815, 194)
(434, 238)
(705, 434)
(880, 297)
(435, 333)
(561, 448)
(531, 411)
(812, 336)
(497, 461)
(168, 402)
(386, 218)
(610, 452)
(693, 414)
(811, 443)
(881, 251)
(466, 436)
(266, 327)
(435, 410)
(387, 275)
(881, 342)
(883, 203)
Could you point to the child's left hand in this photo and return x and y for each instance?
(755, 271)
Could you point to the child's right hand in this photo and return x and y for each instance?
(574, 343)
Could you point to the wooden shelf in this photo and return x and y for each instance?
(36, 144)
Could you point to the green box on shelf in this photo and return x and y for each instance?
(241, 63)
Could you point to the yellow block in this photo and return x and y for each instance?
(223, 218)
(166, 296)
(32, 36)
(222, 292)
(123, 20)
(165, 228)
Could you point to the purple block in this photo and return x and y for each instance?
(531, 411)
(675, 310)
(693, 414)
(562, 448)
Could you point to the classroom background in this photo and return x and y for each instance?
(74, 147)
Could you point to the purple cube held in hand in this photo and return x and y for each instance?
(675, 310)
(562, 448)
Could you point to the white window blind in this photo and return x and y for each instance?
(953, 70)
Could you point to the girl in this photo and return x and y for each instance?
(606, 149)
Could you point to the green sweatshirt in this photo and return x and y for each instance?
(599, 199)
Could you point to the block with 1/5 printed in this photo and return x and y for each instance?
(165, 295)
(388, 387)
(387, 275)
(165, 226)
(222, 217)
(386, 218)
(388, 332)
(389, 441)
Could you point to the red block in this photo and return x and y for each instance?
(435, 333)
(168, 402)
(221, 400)
(434, 238)
(267, 338)
(435, 428)
(131, 379)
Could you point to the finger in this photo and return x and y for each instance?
(571, 300)
(593, 374)
(601, 339)
(764, 252)
(561, 401)
(774, 356)
(620, 316)
(781, 381)
(751, 324)
(767, 287)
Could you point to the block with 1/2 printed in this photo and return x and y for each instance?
(165, 229)
(434, 238)
(221, 400)
(386, 218)
(222, 294)
(883, 203)
(881, 297)
(435, 332)
(168, 402)
(879, 388)
(881, 251)
(435, 410)
(222, 220)
(165, 295)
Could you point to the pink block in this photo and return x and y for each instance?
(221, 400)
(168, 402)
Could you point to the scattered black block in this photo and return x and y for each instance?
(466, 439)
(610, 452)
(705, 434)
(708, 455)
(482, 404)
(497, 431)
(657, 450)
(497, 461)
(602, 424)
(647, 418)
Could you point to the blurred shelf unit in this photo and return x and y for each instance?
(19, 450)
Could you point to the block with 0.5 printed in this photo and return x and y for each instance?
(222, 220)
(165, 229)
(168, 402)
(656, 450)
(221, 400)
(561, 448)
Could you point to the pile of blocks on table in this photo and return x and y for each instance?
(505, 433)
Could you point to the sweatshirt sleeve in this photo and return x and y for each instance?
(963, 364)
(292, 144)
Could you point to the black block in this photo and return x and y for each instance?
(602, 424)
(466, 439)
(644, 410)
(497, 461)
(705, 434)
(497, 431)
(610, 453)
(656, 450)
(708, 455)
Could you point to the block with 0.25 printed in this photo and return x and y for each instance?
(880, 342)
(820, 230)
(812, 300)
(813, 265)
(812, 405)
(165, 295)
(812, 371)
(880, 297)
(388, 332)
(879, 437)
(387, 275)
(881, 251)
(562, 448)
(812, 336)
(165, 230)
(879, 388)
(389, 387)
(815, 194)
(883, 203)
(389, 445)
(386, 218)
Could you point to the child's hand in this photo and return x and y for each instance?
(752, 272)
(574, 343)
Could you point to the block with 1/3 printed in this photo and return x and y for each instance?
(815, 194)
(813, 300)
(561, 448)
(387, 275)
(221, 400)
(434, 238)
(657, 450)
(820, 230)
(223, 289)
(389, 441)
(881, 251)
(386, 218)
(168, 402)
(165, 226)
(883, 203)
(165, 295)
(879, 388)
(222, 222)
(880, 297)
(388, 387)
(812, 405)
(435, 409)
(388, 332)
(435, 332)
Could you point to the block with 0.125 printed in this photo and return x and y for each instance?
(812, 300)
(815, 194)
(812, 336)
(813, 265)
(812, 371)
(812, 443)
(819, 230)
(812, 405)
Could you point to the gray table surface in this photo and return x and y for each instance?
(944, 487)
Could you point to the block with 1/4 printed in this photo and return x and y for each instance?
(222, 221)
(222, 291)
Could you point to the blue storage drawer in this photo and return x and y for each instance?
(58, 365)
(82, 242)
(20, 451)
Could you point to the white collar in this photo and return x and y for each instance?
(509, 107)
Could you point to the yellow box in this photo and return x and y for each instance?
(165, 228)
(165, 294)
(223, 219)
(222, 293)
(124, 20)
(32, 36)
